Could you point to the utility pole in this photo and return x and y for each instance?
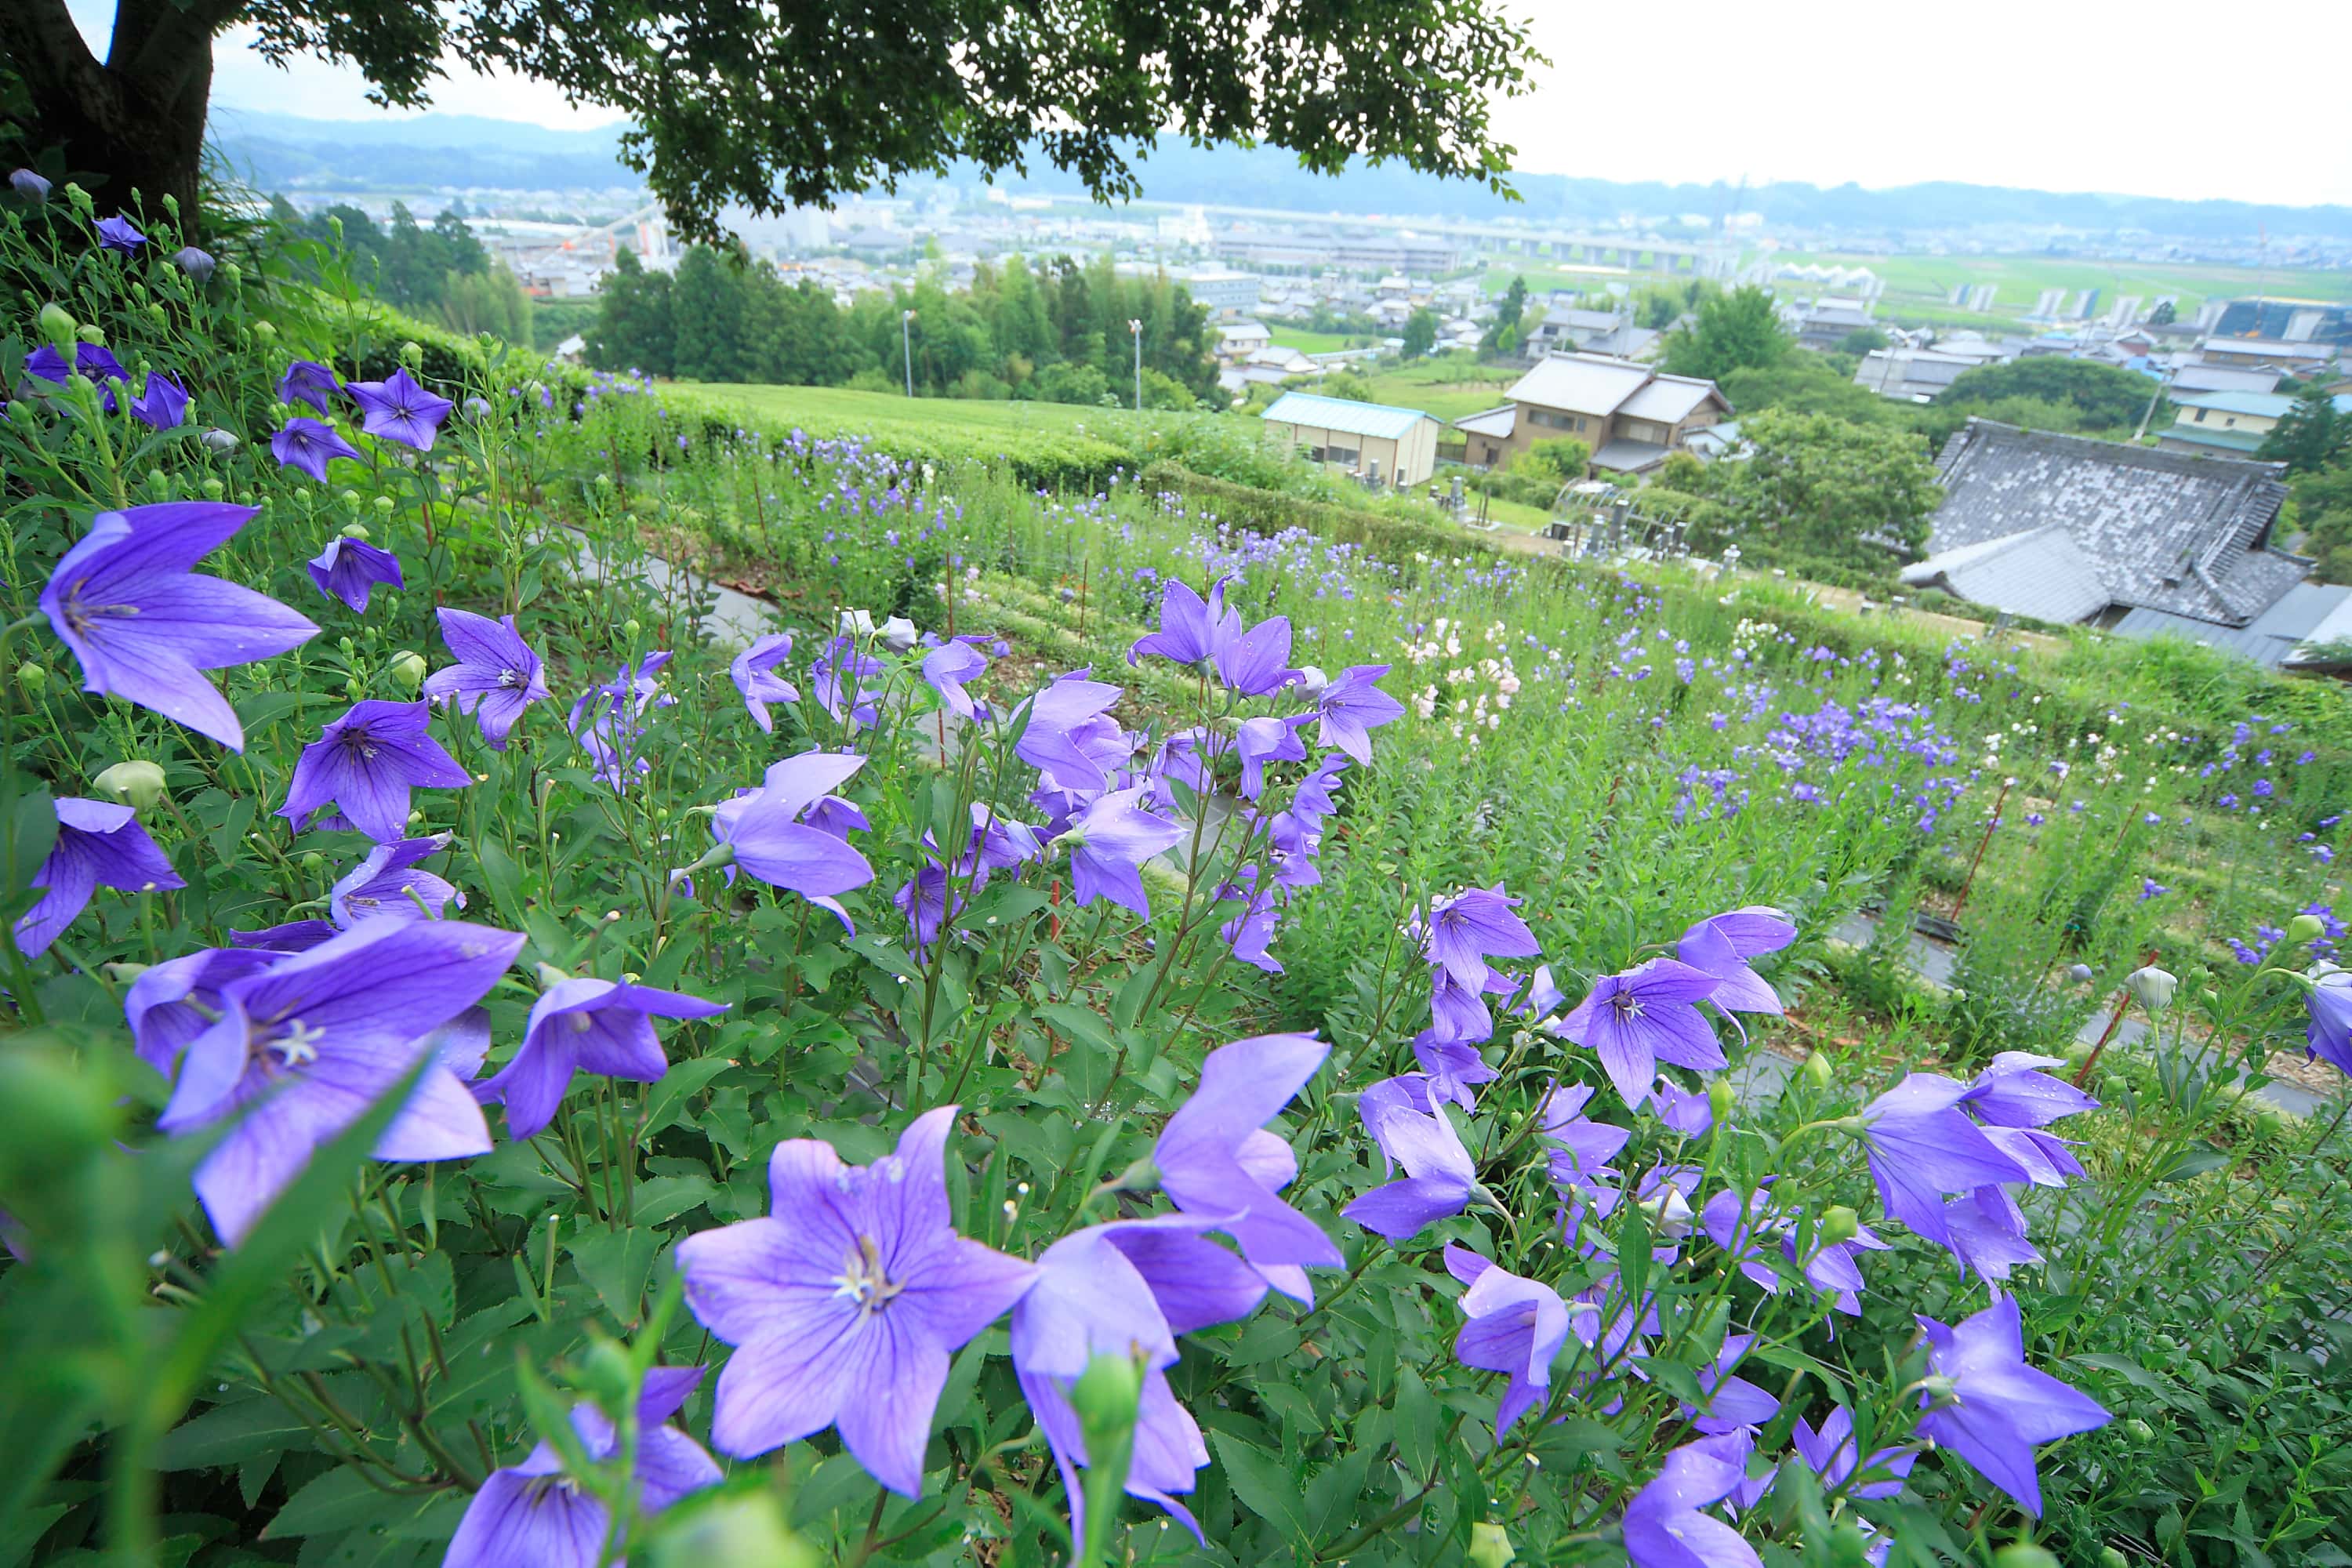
(2163, 383)
(907, 343)
(1135, 326)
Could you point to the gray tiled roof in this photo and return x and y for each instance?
(1629, 457)
(2271, 638)
(2039, 573)
(1497, 423)
(2162, 530)
(1669, 399)
(1581, 383)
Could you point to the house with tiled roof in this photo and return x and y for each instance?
(1628, 413)
(2129, 538)
(2231, 424)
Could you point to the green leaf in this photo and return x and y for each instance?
(1127, 1005)
(2193, 1162)
(1416, 1424)
(1265, 1487)
(616, 1263)
(2130, 1371)
(342, 1499)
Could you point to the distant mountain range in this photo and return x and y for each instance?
(281, 152)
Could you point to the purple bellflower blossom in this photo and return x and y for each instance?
(1111, 1289)
(496, 676)
(388, 885)
(530, 1516)
(1069, 738)
(1664, 1526)
(1516, 1327)
(293, 936)
(1351, 707)
(1110, 840)
(98, 844)
(2327, 1007)
(1645, 1015)
(1998, 1407)
(948, 667)
(768, 840)
(1830, 1452)
(1988, 1233)
(162, 405)
(1689, 1111)
(364, 763)
(33, 187)
(397, 409)
(91, 360)
(924, 902)
(1263, 740)
(998, 843)
(1478, 923)
(1732, 1401)
(837, 679)
(308, 381)
(349, 569)
(145, 626)
(1922, 1146)
(1721, 946)
(1440, 1177)
(1581, 1147)
(171, 1003)
(2015, 1091)
(117, 234)
(1216, 1159)
(1192, 629)
(845, 1304)
(753, 672)
(600, 1026)
(1257, 662)
(308, 445)
(304, 1047)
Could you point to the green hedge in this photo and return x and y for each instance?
(1393, 535)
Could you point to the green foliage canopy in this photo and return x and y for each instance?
(1738, 331)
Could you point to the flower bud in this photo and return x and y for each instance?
(197, 264)
(58, 328)
(137, 784)
(412, 355)
(384, 505)
(2079, 973)
(1490, 1546)
(1107, 1397)
(1839, 1224)
(218, 440)
(1311, 681)
(2305, 930)
(1721, 1098)
(898, 634)
(854, 623)
(28, 184)
(630, 627)
(476, 408)
(233, 272)
(32, 678)
(407, 670)
(266, 332)
(1818, 1069)
(214, 490)
(313, 862)
(2024, 1554)
(2151, 987)
(2111, 1558)
(355, 530)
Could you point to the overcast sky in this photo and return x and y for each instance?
(2066, 95)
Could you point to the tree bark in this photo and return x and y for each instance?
(135, 123)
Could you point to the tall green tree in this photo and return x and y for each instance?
(2106, 398)
(1503, 333)
(633, 329)
(1738, 331)
(794, 106)
(1420, 332)
(2311, 436)
(710, 310)
(489, 302)
(1816, 488)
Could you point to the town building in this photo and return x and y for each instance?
(2131, 539)
(2297, 358)
(2232, 423)
(1629, 415)
(1377, 443)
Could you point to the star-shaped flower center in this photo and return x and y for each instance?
(862, 1278)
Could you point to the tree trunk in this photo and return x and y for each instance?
(135, 123)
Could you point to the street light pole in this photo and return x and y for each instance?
(1135, 327)
(907, 343)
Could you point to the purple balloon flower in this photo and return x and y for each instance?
(1108, 841)
(845, 1304)
(1112, 1290)
(33, 187)
(1258, 662)
(2014, 1091)
(1069, 737)
(143, 627)
(397, 409)
(947, 668)
(308, 381)
(2327, 1007)
(98, 844)
(496, 676)
(365, 763)
(1722, 944)
(90, 359)
(117, 235)
(388, 885)
(530, 1516)
(162, 405)
(304, 1047)
(1582, 1148)
(1831, 1453)
(308, 445)
(1664, 1526)
(1999, 1407)
(1190, 629)
(1216, 1160)
(1440, 1177)
(1648, 1014)
(600, 1026)
(1351, 707)
(196, 263)
(771, 842)
(1264, 740)
(1732, 1402)
(1516, 1327)
(753, 672)
(1478, 923)
(349, 569)
(1922, 1146)
(172, 1002)
(1987, 1231)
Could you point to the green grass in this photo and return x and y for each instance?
(1449, 386)
(1309, 342)
(1919, 285)
(831, 410)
